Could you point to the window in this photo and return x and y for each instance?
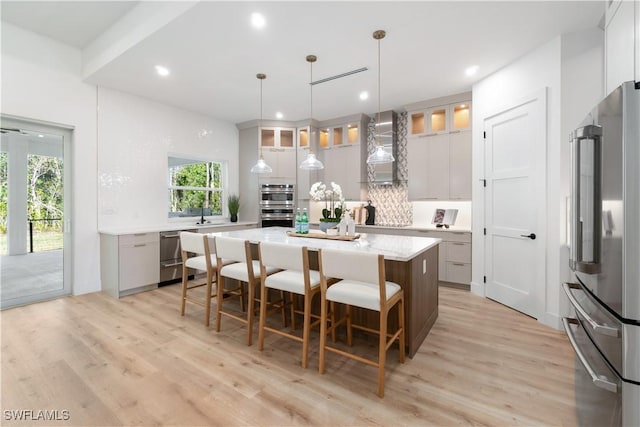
(196, 187)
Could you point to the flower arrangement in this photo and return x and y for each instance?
(333, 200)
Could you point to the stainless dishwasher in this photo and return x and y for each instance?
(171, 257)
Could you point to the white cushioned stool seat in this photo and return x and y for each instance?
(238, 271)
(292, 281)
(360, 294)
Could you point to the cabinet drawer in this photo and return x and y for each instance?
(138, 238)
(458, 272)
(459, 252)
(456, 236)
(139, 265)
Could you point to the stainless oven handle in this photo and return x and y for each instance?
(598, 380)
(169, 236)
(597, 327)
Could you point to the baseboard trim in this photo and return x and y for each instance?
(553, 320)
(477, 289)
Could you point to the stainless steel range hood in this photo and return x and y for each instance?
(386, 174)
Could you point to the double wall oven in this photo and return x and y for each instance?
(605, 259)
(277, 205)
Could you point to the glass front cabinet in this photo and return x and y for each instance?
(440, 119)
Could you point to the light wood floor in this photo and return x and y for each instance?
(135, 361)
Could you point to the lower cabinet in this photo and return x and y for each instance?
(129, 263)
(454, 255)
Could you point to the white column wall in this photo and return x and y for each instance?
(41, 81)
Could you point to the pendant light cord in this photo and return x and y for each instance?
(378, 130)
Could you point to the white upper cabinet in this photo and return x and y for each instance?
(342, 144)
(439, 119)
(275, 137)
(439, 152)
(278, 147)
(340, 135)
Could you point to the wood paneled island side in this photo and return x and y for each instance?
(411, 262)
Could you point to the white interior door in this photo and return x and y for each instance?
(515, 203)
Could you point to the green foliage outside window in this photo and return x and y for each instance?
(194, 187)
(45, 197)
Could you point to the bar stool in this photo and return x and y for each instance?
(362, 285)
(204, 260)
(244, 270)
(295, 278)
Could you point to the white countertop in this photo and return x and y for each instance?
(178, 226)
(397, 248)
(429, 227)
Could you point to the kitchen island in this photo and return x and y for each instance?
(411, 262)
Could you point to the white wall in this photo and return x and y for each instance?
(621, 42)
(135, 136)
(582, 88)
(40, 80)
(537, 70)
(570, 67)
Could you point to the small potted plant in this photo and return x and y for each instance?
(233, 203)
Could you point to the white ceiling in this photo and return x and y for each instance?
(76, 23)
(214, 53)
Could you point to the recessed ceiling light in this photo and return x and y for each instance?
(364, 95)
(40, 135)
(257, 20)
(279, 115)
(471, 70)
(162, 71)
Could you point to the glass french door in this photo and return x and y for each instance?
(35, 236)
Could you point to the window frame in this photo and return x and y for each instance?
(222, 190)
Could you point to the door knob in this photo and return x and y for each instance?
(532, 236)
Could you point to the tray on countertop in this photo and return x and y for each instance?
(321, 235)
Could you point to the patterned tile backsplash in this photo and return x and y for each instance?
(391, 201)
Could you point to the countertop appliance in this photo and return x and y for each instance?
(605, 259)
(277, 204)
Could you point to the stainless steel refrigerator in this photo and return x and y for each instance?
(605, 259)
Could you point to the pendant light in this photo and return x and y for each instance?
(380, 155)
(261, 166)
(311, 162)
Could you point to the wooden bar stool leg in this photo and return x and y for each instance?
(207, 300)
(292, 306)
(306, 329)
(323, 334)
(250, 310)
(333, 321)
(263, 316)
(219, 299)
(382, 351)
(401, 325)
(185, 279)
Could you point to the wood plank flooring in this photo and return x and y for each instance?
(136, 361)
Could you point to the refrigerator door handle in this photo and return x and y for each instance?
(578, 260)
(598, 380)
(597, 327)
